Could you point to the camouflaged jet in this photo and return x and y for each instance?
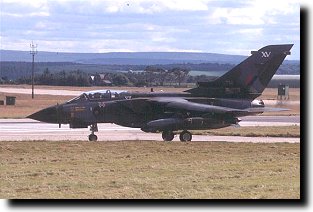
(211, 105)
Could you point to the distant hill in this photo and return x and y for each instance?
(126, 58)
(122, 58)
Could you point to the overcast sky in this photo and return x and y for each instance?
(228, 27)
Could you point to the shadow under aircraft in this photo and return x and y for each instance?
(211, 105)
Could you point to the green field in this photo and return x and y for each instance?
(142, 169)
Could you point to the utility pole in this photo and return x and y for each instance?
(33, 51)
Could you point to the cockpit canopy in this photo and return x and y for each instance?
(98, 95)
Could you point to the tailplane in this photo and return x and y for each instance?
(249, 78)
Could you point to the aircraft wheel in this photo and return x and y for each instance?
(167, 135)
(93, 137)
(185, 136)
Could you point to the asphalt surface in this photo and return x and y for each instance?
(270, 120)
(27, 129)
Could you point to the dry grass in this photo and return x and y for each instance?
(271, 93)
(25, 105)
(141, 169)
(258, 131)
(294, 95)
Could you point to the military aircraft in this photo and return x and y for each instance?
(211, 105)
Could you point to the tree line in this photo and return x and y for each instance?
(150, 76)
(75, 74)
(12, 70)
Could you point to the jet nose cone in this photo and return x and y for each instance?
(48, 115)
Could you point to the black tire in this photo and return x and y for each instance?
(185, 136)
(167, 135)
(93, 137)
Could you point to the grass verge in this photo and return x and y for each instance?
(143, 169)
(257, 131)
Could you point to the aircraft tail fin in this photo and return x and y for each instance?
(249, 78)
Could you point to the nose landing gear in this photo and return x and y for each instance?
(93, 129)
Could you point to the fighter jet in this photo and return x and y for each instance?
(211, 105)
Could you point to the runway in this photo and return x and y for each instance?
(27, 129)
(270, 120)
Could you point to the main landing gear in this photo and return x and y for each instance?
(183, 136)
(167, 135)
(93, 129)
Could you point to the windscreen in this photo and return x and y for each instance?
(80, 98)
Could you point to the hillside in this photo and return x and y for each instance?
(122, 58)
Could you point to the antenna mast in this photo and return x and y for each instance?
(33, 51)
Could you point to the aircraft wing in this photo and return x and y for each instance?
(183, 105)
(180, 104)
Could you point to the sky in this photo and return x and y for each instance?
(98, 26)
